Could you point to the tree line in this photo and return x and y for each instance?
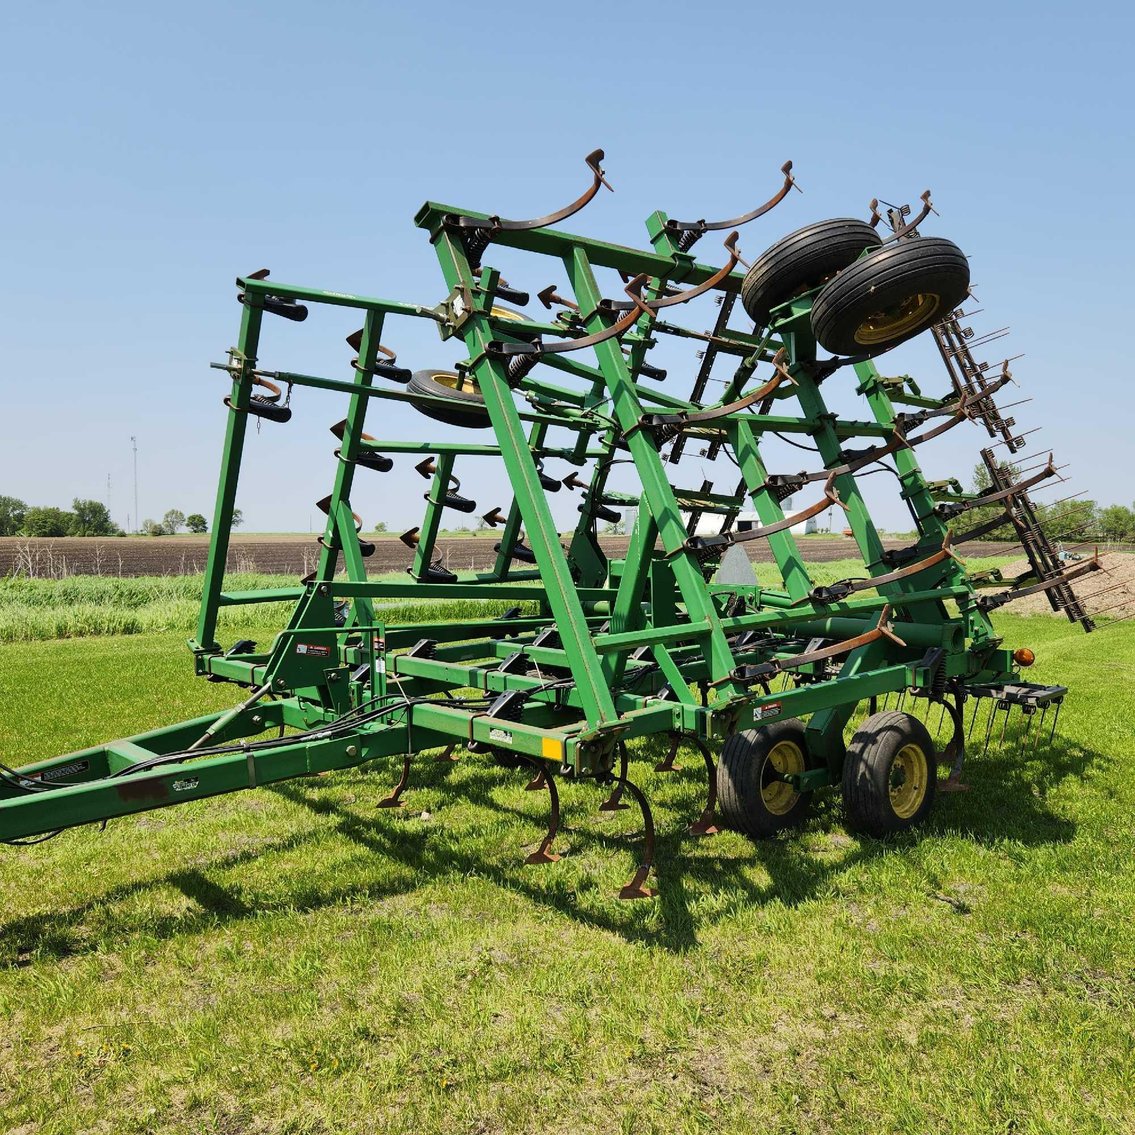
(1070, 521)
(90, 518)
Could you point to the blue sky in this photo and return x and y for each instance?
(153, 152)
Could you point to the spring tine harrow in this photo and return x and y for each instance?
(394, 800)
(636, 888)
(706, 823)
(614, 802)
(669, 636)
(667, 763)
(544, 853)
(689, 232)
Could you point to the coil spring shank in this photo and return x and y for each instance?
(518, 367)
(476, 241)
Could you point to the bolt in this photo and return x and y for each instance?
(352, 750)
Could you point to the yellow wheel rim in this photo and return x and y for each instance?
(909, 781)
(455, 381)
(508, 315)
(784, 759)
(896, 321)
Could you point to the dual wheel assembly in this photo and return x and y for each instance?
(889, 777)
(872, 295)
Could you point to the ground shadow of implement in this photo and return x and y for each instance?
(1006, 802)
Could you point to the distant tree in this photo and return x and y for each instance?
(12, 511)
(92, 518)
(173, 520)
(238, 518)
(615, 528)
(152, 528)
(380, 526)
(1070, 520)
(47, 522)
(1117, 522)
(482, 524)
(982, 483)
(195, 522)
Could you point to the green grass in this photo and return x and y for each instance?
(85, 606)
(82, 606)
(296, 960)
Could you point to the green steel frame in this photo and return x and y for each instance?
(601, 651)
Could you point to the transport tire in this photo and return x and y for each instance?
(890, 295)
(465, 406)
(803, 260)
(751, 797)
(889, 775)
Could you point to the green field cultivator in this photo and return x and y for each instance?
(592, 653)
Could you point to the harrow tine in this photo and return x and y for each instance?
(635, 889)
(988, 727)
(1055, 719)
(394, 800)
(544, 854)
(538, 782)
(955, 748)
(667, 763)
(704, 825)
(1040, 726)
(973, 718)
(446, 756)
(614, 803)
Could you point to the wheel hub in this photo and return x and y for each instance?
(777, 794)
(909, 779)
(897, 320)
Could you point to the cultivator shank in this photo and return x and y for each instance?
(578, 655)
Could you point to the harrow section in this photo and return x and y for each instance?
(577, 655)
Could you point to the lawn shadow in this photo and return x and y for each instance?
(1008, 791)
(1006, 801)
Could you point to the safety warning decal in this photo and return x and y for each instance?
(315, 649)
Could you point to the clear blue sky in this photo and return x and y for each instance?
(154, 151)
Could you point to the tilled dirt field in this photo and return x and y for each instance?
(1110, 591)
(287, 555)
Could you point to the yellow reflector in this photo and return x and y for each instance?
(552, 748)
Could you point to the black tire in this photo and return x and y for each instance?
(751, 798)
(465, 406)
(889, 775)
(803, 260)
(890, 295)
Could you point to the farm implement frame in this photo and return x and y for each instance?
(578, 654)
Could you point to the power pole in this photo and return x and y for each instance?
(134, 443)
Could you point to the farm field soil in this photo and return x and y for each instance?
(295, 960)
(297, 555)
(1110, 590)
